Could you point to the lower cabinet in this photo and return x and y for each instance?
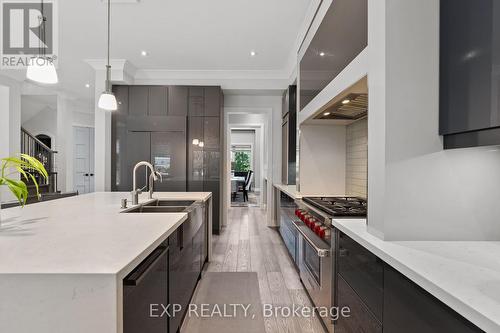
(186, 262)
(382, 299)
(360, 319)
(411, 309)
(147, 284)
(288, 232)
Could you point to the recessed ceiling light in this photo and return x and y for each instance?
(87, 85)
(322, 54)
(144, 53)
(196, 142)
(201, 144)
(346, 101)
(326, 114)
(253, 53)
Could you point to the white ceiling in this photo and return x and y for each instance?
(186, 35)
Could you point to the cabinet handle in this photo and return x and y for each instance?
(135, 278)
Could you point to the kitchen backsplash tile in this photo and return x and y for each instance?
(357, 158)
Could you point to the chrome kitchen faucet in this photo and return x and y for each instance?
(135, 191)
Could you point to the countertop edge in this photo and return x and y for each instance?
(461, 307)
(122, 273)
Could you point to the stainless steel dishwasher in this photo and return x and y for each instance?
(147, 284)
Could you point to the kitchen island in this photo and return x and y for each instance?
(62, 262)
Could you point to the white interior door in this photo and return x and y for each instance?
(84, 159)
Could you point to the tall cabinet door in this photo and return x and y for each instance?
(168, 156)
(212, 156)
(195, 155)
(138, 149)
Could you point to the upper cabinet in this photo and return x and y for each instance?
(470, 73)
(341, 36)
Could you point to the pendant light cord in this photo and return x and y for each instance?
(109, 25)
(108, 66)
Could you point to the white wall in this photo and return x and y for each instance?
(57, 119)
(418, 191)
(44, 122)
(265, 110)
(322, 159)
(10, 115)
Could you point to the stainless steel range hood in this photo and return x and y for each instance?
(353, 106)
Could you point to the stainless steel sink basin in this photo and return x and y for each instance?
(169, 203)
(158, 209)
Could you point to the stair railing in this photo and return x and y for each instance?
(32, 146)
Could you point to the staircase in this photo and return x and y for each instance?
(30, 145)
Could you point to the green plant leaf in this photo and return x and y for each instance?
(19, 189)
(25, 166)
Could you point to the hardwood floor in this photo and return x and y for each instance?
(248, 245)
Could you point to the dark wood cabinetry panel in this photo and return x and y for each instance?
(177, 101)
(157, 105)
(168, 151)
(138, 148)
(138, 100)
(363, 271)
(196, 101)
(211, 132)
(195, 155)
(158, 124)
(410, 309)
(360, 318)
(122, 95)
(212, 101)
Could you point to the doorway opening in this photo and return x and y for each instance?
(45, 139)
(245, 150)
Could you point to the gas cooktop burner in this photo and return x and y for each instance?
(339, 206)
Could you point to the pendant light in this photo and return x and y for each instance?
(107, 101)
(41, 68)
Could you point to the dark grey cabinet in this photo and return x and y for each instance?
(158, 124)
(138, 100)
(147, 284)
(288, 232)
(168, 150)
(360, 318)
(177, 101)
(338, 40)
(185, 262)
(289, 137)
(196, 101)
(157, 103)
(469, 80)
(378, 296)
(363, 271)
(195, 155)
(409, 308)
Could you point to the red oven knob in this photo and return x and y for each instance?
(317, 228)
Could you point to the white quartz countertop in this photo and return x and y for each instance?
(86, 234)
(291, 191)
(464, 275)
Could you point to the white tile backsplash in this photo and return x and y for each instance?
(357, 158)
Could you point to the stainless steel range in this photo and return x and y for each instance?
(318, 244)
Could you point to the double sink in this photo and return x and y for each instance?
(163, 206)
